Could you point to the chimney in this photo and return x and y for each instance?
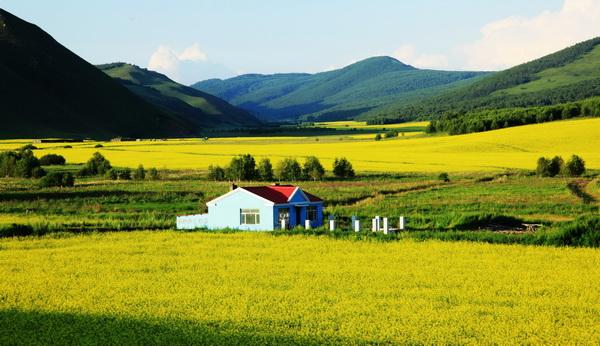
(232, 187)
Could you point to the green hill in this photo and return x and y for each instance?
(567, 76)
(48, 91)
(198, 107)
(334, 95)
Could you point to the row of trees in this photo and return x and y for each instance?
(493, 119)
(21, 163)
(547, 167)
(245, 168)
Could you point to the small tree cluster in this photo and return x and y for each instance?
(57, 179)
(21, 164)
(97, 165)
(52, 160)
(342, 168)
(119, 174)
(244, 168)
(552, 167)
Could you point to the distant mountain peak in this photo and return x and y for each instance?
(383, 61)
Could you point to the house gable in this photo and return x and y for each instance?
(236, 191)
(298, 196)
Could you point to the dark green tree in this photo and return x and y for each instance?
(555, 166)
(242, 168)
(216, 173)
(313, 169)
(52, 159)
(342, 168)
(97, 165)
(543, 167)
(265, 170)
(289, 169)
(575, 166)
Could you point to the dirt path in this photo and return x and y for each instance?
(578, 187)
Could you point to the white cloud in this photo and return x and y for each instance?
(193, 53)
(187, 66)
(515, 40)
(408, 54)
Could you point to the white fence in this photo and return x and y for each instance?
(192, 221)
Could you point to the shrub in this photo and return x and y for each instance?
(97, 165)
(391, 134)
(543, 167)
(139, 173)
(444, 177)
(153, 174)
(68, 147)
(98, 146)
(313, 169)
(378, 137)
(52, 159)
(242, 167)
(265, 170)
(112, 174)
(124, 174)
(342, 168)
(28, 147)
(216, 173)
(575, 166)
(555, 166)
(289, 169)
(57, 179)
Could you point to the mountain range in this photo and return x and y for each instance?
(345, 93)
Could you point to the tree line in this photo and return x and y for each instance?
(245, 168)
(493, 119)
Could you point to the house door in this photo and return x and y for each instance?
(298, 216)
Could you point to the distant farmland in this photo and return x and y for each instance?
(517, 147)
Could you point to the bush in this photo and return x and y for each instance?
(68, 147)
(216, 173)
(28, 147)
(52, 160)
(543, 167)
(153, 174)
(342, 168)
(584, 231)
(575, 167)
(265, 170)
(378, 137)
(98, 146)
(57, 179)
(112, 174)
(124, 174)
(139, 173)
(289, 169)
(97, 165)
(391, 134)
(555, 166)
(313, 169)
(444, 177)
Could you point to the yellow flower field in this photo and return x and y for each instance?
(517, 147)
(170, 287)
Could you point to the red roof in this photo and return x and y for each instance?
(278, 194)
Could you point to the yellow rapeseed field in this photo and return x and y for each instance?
(191, 288)
(517, 147)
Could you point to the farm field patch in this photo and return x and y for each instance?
(256, 288)
(517, 147)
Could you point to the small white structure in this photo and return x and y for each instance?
(357, 226)
(401, 223)
(307, 224)
(385, 225)
(332, 225)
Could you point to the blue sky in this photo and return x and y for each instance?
(193, 40)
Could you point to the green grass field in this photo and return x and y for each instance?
(244, 288)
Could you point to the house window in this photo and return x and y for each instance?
(250, 216)
(311, 213)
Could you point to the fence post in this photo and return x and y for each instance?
(356, 225)
(332, 225)
(378, 218)
(374, 225)
(401, 223)
(385, 225)
(283, 224)
(307, 224)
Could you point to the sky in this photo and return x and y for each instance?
(196, 40)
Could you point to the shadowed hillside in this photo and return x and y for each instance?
(198, 107)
